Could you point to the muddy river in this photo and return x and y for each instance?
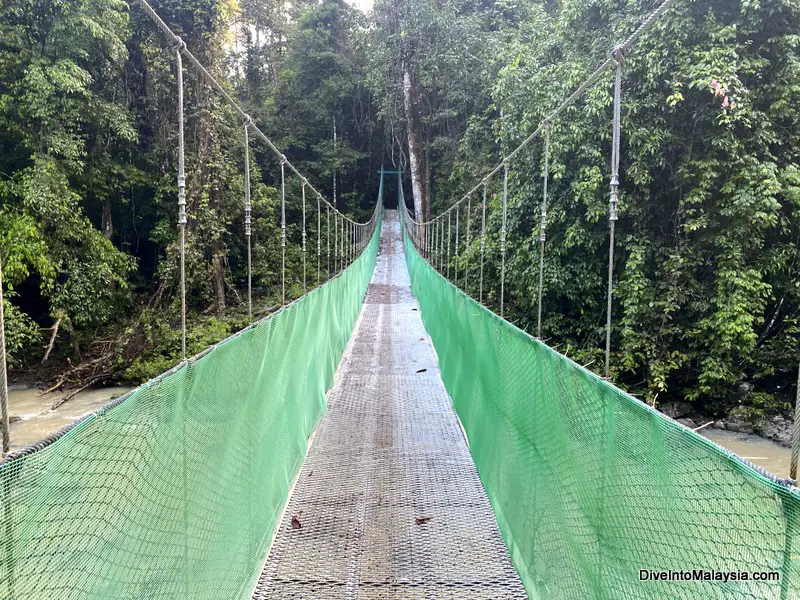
(37, 420)
(767, 454)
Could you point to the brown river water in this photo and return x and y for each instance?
(762, 452)
(38, 421)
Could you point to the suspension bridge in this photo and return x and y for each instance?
(388, 435)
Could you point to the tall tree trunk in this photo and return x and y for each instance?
(217, 255)
(106, 224)
(416, 151)
(107, 227)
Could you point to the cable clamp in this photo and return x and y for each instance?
(612, 208)
(618, 55)
(179, 45)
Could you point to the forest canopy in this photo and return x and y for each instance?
(707, 261)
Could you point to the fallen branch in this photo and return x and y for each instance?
(52, 340)
(77, 391)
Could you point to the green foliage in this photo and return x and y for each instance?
(708, 283)
(163, 342)
(707, 256)
(21, 333)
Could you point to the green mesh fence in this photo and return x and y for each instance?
(175, 491)
(588, 484)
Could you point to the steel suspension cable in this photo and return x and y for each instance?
(179, 46)
(328, 238)
(435, 242)
(456, 249)
(503, 239)
(449, 235)
(795, 433)
(335, 243)
(466, 247)
(618, 57)
(542, 228)
(439, 240)
(3, 375)
(483, 239)
(247, 231)
(283, 232)
(303, 193)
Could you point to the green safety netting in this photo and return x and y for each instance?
(175, 491)
(589, 485)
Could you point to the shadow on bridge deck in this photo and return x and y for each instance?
(388, 503)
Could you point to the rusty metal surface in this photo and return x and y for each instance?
(388, 503)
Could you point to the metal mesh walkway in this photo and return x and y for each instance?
(388, 503)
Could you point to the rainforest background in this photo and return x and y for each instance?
(708, 285)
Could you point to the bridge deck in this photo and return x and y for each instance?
(388, 503)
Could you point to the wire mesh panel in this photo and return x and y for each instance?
(594, 490)
(175, 491)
